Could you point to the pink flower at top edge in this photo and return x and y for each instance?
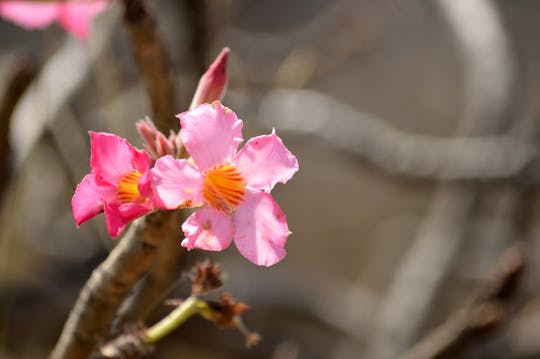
(73, 15)
(231, 186)
(116, 183)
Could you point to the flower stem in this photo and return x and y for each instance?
(174, 319)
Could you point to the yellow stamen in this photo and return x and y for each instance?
(128, 188)
(224, 188)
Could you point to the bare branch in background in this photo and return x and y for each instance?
(23, 72)
(413, 155)
(488, 77)
(473, 323)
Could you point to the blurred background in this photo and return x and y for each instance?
(415, 210)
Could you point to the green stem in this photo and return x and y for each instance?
(174, 319)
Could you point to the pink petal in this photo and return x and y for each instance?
(261, 228)
(30, 15)
(118, 216)
(88, 199)
(76, 16)
(211, 134)
(264, 161)
(208, 229)
(112, 157)
(175, 183)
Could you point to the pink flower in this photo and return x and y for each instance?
(233, 187)
(115, 184)
(73, 15)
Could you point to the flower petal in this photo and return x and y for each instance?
(30, 15)
(88, 199)
(175, 183)
(208, 229)
(118, 216)
(211, 134)
(111, 156)
(76, 16)
(261, 228)
(264, 161)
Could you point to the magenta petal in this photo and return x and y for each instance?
(118, 216)
(76, 16)
(211, 134)
(30, 15)
(175, 183)
(264, 161)
(208, 229)
(111, 157)
(88, 199)
(261, 228)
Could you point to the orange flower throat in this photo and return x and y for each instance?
(224, 188)
(128, 188)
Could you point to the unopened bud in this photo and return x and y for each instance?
(212, 84)
(156, 144)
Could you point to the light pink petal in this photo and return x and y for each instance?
(175, 183)
(76, 16)
(264, 161)
(118, 216)
(211, 134)
(261, 228)
(208, 229)
(111, 157)
(88, 199)
(30, 15)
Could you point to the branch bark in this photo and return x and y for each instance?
(110, 283)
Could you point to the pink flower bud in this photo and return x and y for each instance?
(156, 144)
(212, 84)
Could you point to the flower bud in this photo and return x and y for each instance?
(212, 84)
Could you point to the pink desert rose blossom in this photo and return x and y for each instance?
(115, 183)
(231, 186)
(73, 15)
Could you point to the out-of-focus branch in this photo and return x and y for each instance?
(199, 35)
(463, 158)
(483, 315)
(110, 283)
(22, 73)
(488, 81)
(152, 61)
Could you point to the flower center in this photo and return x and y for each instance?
(224, 188)
(128, 188)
